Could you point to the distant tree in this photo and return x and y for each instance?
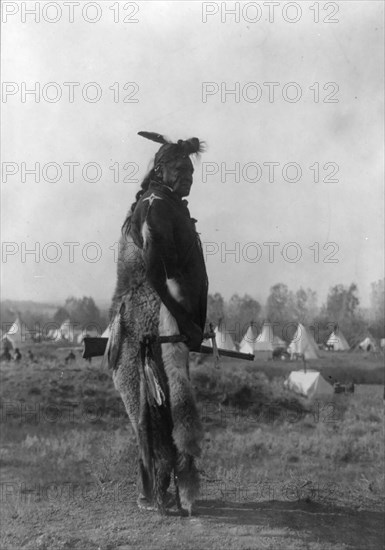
(342, 303)
(342, 310)
(215, 308)
(61, 315)
(377, 310)
(280, 305)
(239, 313)
(305, 305)
(83, 311)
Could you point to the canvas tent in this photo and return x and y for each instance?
(67, 331)
(303, 344)
(251, 342)
(338, 341)
(308, 383)
(53, 334)
(247, 344)
(17, 333)
(223, 339)
(368, 344)
(107, 332)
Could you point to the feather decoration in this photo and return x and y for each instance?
(153, 136)
(111, 355)
(153, 385)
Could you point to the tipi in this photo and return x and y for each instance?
(251, 342)
(309, 383)
(17, 333)
(303, 344)
(223, 338)
(67, 331)
(338, 341)
(247, 344)
(107, 332)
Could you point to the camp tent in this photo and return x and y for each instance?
(308, 383)
(368, 344)
(107, 332)
(253, 342)
(247, 344)
(264, 341)
(80, 337)
(223, 339)
(53, 334)
(18, 332)
(338, 341)
(67, 331)
(303, 344)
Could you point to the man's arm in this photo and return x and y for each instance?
(162, 268)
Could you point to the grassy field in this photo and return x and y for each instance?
(278, 472)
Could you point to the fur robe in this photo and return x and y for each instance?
(161, 290)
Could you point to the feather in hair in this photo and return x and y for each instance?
(153, 136)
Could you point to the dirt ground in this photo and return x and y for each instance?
(69, 484)
(115, 523)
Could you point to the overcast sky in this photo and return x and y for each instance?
(329, 118)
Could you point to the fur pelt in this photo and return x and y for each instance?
(168, 435)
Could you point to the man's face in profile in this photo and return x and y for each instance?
(179, 176)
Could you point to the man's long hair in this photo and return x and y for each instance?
(151, 176)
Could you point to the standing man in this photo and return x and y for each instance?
(161, 291)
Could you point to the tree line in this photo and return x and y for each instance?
(285, 308)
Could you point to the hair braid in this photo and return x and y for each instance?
(143, 188)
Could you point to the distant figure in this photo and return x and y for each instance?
(338, 388)
(70, 357)
(350, 387)
(31, 356)
(6, 355)
(280, 353)
(18, 355)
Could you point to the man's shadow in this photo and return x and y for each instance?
(317, 522)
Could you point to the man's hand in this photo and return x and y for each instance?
(194, 335)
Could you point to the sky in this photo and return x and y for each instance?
(289, 103)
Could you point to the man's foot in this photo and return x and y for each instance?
(145, 504)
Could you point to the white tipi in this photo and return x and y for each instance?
(17, 333)
(223, 338)
(338, 341)
(264, 342)
(303, 344)
(107, 332)
(249, 339)
(67, 331)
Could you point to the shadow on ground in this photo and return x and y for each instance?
(343, 526)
